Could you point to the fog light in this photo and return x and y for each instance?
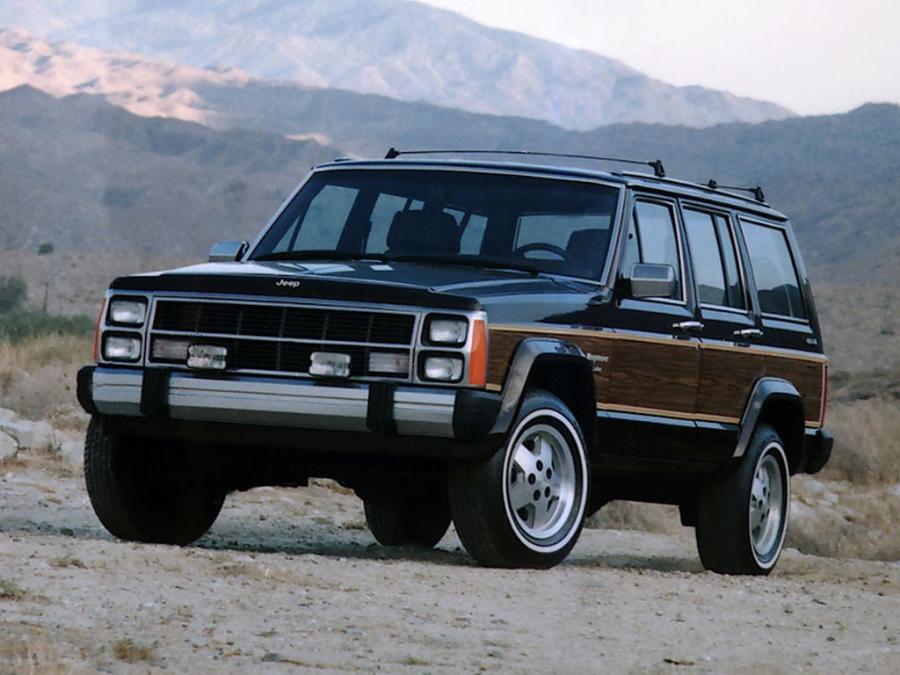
(121, 348)
(131, 312)
(448, 331)
(329, 364)
(387, 363)
(207, 357)
(170, 350)
(443, 368)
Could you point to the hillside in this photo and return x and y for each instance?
(84, 174)
(395, 48)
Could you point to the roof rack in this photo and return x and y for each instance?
(658, 169)
(757, 191)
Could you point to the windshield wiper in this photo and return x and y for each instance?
(465, 262)
(319, 255)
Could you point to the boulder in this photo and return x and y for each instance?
(8, 446)
(29, 434)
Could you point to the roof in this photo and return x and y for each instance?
(643, 181)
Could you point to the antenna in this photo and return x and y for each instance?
(757, 191)
(658, 169)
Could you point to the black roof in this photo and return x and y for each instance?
(644, 181)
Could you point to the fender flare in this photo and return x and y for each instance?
(528, 353)
(765, 390)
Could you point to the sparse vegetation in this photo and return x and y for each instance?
(46, 248)
(129, 651)
(12, 293)
(10, 590)
(20, 325)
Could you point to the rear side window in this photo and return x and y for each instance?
(773, 270)
(715, 263)
(652, 239)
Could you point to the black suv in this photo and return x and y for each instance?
(504, 345)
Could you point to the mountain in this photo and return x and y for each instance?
(837, 176)
(394, 48)
(84, 174)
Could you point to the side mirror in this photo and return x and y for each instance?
(227, 251)
(652, 281)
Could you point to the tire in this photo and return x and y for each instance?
(405, 520)
(742, 518)
(524, 506)
(159, 495)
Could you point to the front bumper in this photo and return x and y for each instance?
(379, 407)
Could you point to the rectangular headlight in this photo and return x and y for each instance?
(442, 368)
(128, 311)
(121, 348)
(170, 350)
(447, 330)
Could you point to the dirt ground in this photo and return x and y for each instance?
(291, 581)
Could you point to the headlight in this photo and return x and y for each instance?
(121, 348)
(170, 350)
(442, 368)
(447, 331)
(389, 363)
(131, 312)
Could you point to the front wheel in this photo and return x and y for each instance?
(742, 519)
(153, 493)
(524, 506)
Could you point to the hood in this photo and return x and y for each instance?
(503, 293)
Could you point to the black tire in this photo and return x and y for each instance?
(141, 492)
(483, 492)
(734, 537)
(401, 519)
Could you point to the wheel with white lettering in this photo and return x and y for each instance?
(742, 518)
(525, 505)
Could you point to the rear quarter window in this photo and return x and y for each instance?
(774, 270)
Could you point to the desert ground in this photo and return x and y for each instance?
(291, 581)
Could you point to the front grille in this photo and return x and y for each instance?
(286, 336)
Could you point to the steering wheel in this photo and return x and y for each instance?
(541, 246)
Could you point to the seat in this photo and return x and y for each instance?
(423, 232)
(586, 250)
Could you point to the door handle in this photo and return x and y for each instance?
(689, 327)
(749, 333)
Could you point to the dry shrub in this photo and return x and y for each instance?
(11, 591)
(37, 377)
(32, 656)
(658, 518)
(867, 441)
(129, 651)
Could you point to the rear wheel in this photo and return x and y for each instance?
(142, 491)
(524, 506)
(742, 519)
(397, 518)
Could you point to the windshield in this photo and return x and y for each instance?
(467, 218)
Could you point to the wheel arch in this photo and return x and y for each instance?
(557, 367)
(776, 402)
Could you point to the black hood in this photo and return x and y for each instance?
(399, 283)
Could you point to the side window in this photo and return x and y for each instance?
(773, 270)
(473, 236)
(715, 264)
(652, 238)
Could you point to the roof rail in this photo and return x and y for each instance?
(658, 169)
(757, 191)
(758, 196)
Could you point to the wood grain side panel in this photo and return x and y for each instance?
(806, 376)
(502, 345)
(654, 375)
(726, 380)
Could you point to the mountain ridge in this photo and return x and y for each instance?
(397, 48)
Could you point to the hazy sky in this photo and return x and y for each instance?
(813, 56)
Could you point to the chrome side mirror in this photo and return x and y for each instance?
(227, 251)
(652, 281)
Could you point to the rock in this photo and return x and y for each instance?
(29, 434)
(72, 451)
(8, 446)
(8, 416)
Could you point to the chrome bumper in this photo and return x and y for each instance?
(418, 411)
